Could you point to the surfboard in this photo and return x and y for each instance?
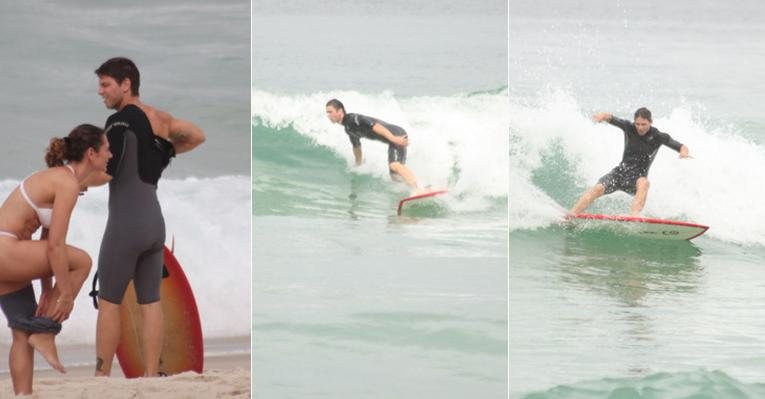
(417, 197)
(182, 348)
(640, 226)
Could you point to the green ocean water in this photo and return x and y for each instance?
(346, 291)
(349, 299)
(597, 315)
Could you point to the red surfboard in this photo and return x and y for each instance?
(642, 227)
(416, 197)
(183, 347)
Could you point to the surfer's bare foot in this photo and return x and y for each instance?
(46, 345)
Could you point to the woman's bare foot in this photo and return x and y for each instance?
(46, 345)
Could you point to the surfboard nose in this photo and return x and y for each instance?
(416, 197)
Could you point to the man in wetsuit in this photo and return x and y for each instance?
(641, 143)
(142, 139)
(358, 126)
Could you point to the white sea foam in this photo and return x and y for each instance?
(718, 187)
(462, 132)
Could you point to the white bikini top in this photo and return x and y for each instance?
(44, 215)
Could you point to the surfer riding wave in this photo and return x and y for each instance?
(359, 126)
(641, 144)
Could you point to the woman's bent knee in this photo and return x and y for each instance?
(80, 260)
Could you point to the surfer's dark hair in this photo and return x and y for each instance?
(121, 68)
(336, 104)
(644, 113)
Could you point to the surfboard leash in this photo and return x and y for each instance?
(94, 292)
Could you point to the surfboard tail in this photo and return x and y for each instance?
(183, 344)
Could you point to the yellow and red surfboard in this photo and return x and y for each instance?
(183, 347)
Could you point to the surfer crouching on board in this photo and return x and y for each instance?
(45, 199)
(358, 126)
(143, 140)
(641, 143)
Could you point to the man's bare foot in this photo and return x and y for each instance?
(46, 345)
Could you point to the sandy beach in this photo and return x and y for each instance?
(226, 375)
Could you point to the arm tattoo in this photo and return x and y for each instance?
(178, 136)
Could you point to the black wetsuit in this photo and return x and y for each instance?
(135, 229)
(358, 126)
(639, 153)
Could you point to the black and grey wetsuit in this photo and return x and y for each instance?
(639, 153)
(135, 230)
(358, 126)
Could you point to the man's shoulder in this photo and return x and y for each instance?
(137, 117)
(656, 132)
(351, 120)
(354, 117)
(161, 120)
(121, 118)
(127, 112)
(364, 121)
(620, 123)
(357, 117)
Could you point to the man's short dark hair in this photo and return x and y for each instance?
(336, 104)
(644, 113)
(121, 68)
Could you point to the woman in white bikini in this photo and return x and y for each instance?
(45, 198)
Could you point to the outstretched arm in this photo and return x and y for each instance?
(95, 179)
(185, 135)
(684, 152)
(602, 117)
(610, 118)
(681, 148)
(400, 141)
(357, 155)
